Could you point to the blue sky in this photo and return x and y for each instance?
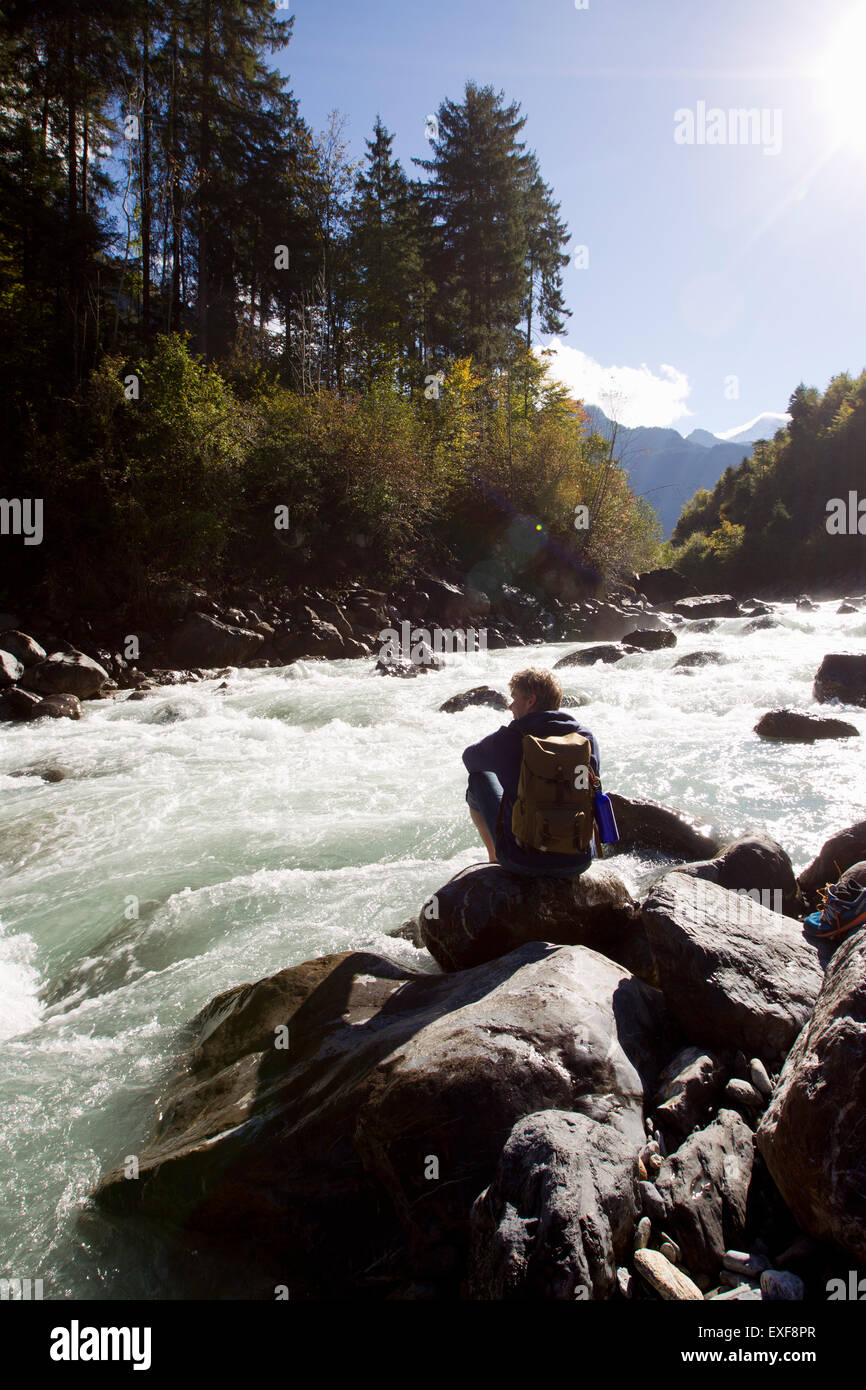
(718, 276)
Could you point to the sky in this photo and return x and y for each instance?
(714, 264)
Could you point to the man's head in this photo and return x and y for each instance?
(533, 690)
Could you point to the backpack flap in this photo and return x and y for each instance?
(553, 812)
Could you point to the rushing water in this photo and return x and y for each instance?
(160, 851)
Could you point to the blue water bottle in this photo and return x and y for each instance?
(605, 819)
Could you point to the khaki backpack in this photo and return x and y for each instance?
(553, 812)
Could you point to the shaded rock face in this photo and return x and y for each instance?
(734, 973)
(705, 1187)
(700, 659)
(792, 726)
(66, 673)
(485, 912)
(813, 1136)
(708, 606)
(25, 649)
(606, 652)
(11, 670)
(688, 1087)
(755, 864)
(644, 825)
(559, 1215)
(606, 622)
(202, 641)
(478, 695)
(837, 854)
(841, 676)
(376, 1118)
(650, 641)
(311, 637)
(663, 586)
(19, 705)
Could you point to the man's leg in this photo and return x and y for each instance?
(483, 795)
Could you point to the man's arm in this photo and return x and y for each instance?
(490, 754)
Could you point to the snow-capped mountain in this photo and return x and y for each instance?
(762, 427)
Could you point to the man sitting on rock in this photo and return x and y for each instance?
(494, 772)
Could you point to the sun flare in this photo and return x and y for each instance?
(842, 78)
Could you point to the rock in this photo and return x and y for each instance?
(847, 608)
(19, 705)
(624, 1281)
(604, 622)
(734, 973)
(347, 1111)
(486, 912)
(663, 586)
(837, 854)
(703, 625)
(650, 641)
(760, 1079)
(643, 1233)
(25, 649)
(743, 1293)
(708, 606)
(478, 695)
(644, 825)
(11, 670)
(59, 707)
(780, 1285)
(805, 604)
(792, 726)
(700, 659)
(757, 865)
(755, 606)
(743, 1094)
(841, 676)
(66, 673)
(759, 625)
(606, 652)
(744, 1264)
(669, 1250)
(310, 637)
(704, 1186)
(651, 1200)
(576, 700)
(325, 611)
(688, 1087)
(559, 1215)
(664, 1277)
(811, 1136)
(203, 641)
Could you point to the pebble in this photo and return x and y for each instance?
(670, 1252)
(743, 1293)
(624, 1281)
(745, 1264)
(652, 1201)
(743, 1093)
(643, 1231)
(664, 1277)
(760, 1077)
(777, 1284)
(655, 1164)
(669, 1240)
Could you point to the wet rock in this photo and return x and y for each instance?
(19, 705)
(665, 1278)
(792, 726)
(688, 1087)
(25, 649)
(758, 865)
(606, 652)
(66, 673)
(703, 625)
(575, 700)
(59, 707)
(734, 973)
(560, 1212)
(811, 1136)
(760, 625)
(704, 1186)
(605, 622)
(644, 825)
(485, 912)
(837, 854)
(780, 1285)
(478, 695)
(11, 670)
(699, 659)
(708, 606)
(308, 637)
(841, 676)
(805, 604)
(204, 641)
(650, 641)
(847, 608)
(347, 1111)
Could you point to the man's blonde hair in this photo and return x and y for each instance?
(542, 684)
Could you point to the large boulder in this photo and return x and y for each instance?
(203, 641)
(793, 726)
(19, 706)
(310, 636)
(588, 656)
(66, 673)
(485, 912)
(700, 659)
(25, 649)
(708, 606)
(646, 826)
(346, 1112)
(688, 1087)
(755, 864)
(837, 854)
(813, 1136)
(734, 973)
(663, 586)
(326, 611)
(59, 707)
(841, 676)
(704, 1186)
(478, 695)
(606, 622)
(11, 670)
(650, 640)
(559, 1216)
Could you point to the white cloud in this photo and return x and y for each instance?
(635, 395)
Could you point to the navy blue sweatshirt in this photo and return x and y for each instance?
(502, 753)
